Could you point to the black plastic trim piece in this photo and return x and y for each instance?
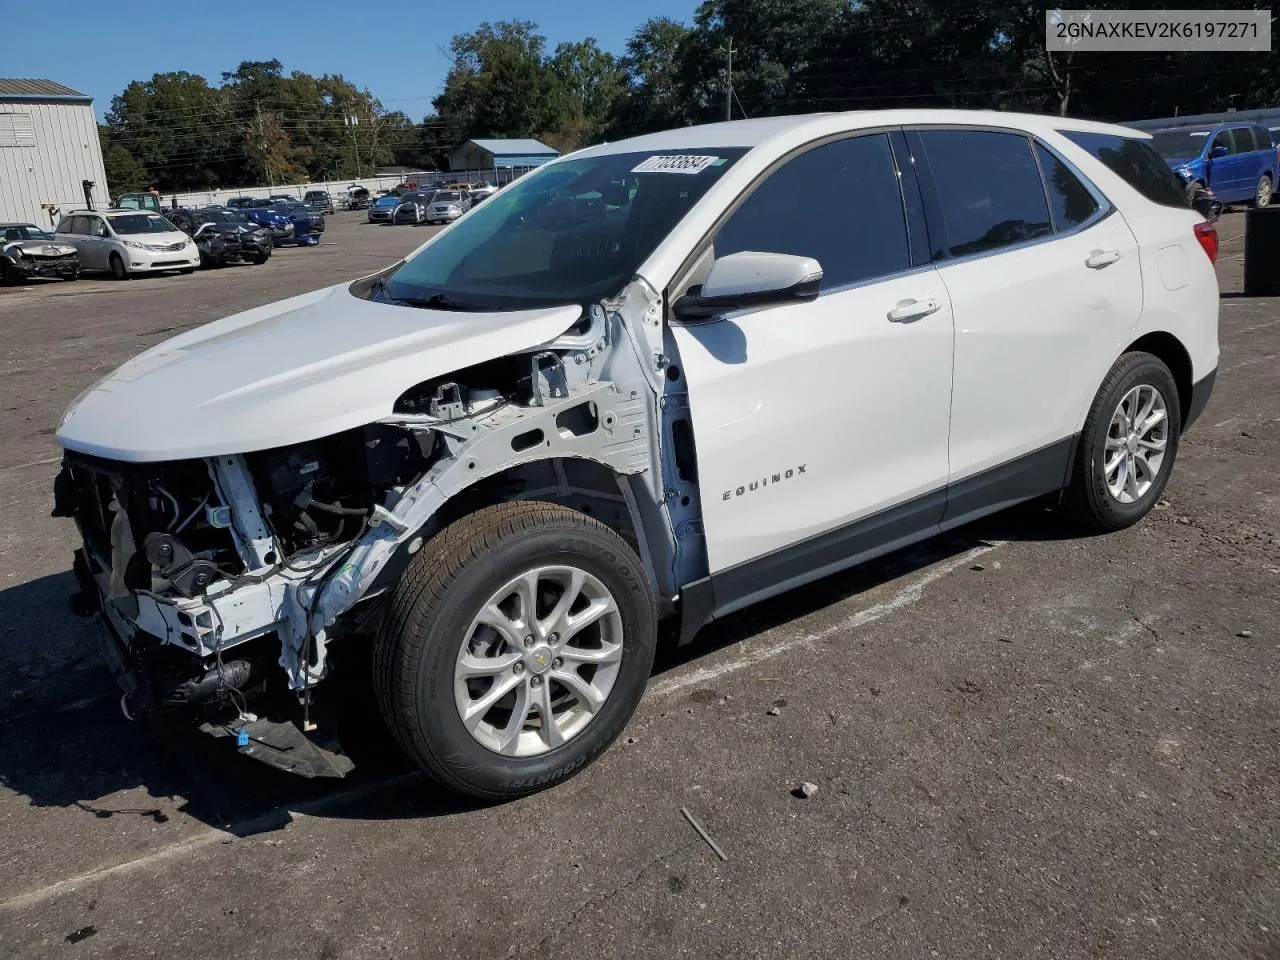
(1035, 474)
(1031, 475)
(1200, 394)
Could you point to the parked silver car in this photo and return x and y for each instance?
(447, 206)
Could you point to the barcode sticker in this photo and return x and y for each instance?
(681, 163)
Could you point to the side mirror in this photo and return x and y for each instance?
(1216, 152)
(751, 279)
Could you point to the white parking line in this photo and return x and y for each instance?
(750, 656)
(204, 838)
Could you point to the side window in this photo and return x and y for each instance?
(839, 203)
(1136, 162)
(1070, 201)
(1241, 140)
(66, 225)
(1222, 139)
(989, 189)
(1261, 139)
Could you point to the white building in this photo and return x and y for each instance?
(48, 146)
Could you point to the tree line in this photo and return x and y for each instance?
(178, 131)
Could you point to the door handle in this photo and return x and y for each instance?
(1101, 258)
(907, 310)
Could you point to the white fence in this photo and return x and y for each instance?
(337, 189)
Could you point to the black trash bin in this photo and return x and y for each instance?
(1262, 252)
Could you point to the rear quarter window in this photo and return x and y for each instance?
(1135, 162)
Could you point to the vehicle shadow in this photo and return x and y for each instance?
(86, 754)
(1029, 522)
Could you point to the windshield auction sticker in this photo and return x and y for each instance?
(675, 164)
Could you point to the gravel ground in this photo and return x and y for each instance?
(1023, 743)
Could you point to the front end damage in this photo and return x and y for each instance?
(225, 584)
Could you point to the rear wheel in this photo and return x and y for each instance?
(515, 648)
(1262, 193)
(118, 269)
(1128, 446)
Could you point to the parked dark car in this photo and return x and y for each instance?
(27, 251)
(1235, 160)
(413, 207)
(319, 201)
(266, 213)
(239, 203)
(307, 223)
(383, 210)
(223, 236)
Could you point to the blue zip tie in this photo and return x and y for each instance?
(242, 737)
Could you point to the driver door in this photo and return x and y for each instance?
(821, 427)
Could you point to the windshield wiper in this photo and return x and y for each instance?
(437, 301)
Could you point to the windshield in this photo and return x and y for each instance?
(447, 196)
(140, 223)
(386, 202)
(1179, 143)
(24, 231)
(571, 232)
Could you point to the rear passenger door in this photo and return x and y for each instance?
(1045, 283)
(821, 427)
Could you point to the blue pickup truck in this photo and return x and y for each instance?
(1237, 161)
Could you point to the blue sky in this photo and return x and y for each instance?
(98, 48)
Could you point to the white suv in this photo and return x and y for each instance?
(126, 242)
(659, 378)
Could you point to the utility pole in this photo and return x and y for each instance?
(728, 82)
(352, 121)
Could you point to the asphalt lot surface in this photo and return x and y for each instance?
(1025, 744)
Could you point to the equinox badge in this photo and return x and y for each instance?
(764, 482)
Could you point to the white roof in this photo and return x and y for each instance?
(753, 133)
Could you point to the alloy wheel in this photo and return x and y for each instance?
(1263, 196)
(1137, 439)
(538, 661)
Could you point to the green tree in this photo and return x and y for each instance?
(590, 82)
(652, 98)
(500, 84)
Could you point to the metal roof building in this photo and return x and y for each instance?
(48, 146)
(501, 155)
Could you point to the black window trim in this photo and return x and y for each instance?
(933, 209)
(915, 220)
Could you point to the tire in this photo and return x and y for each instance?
(6, 275)
(433, 612)
(1262, 192)
(71, 276)
(187, 270)
(260, 258)
(118, 269)
(1090, 500)
(1194, 187)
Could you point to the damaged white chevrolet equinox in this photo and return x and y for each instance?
(655, 380)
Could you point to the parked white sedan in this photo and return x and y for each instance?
(658, 378)
(127, 242)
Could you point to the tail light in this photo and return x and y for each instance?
(1207, 234)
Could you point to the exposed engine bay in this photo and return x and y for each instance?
(222, 576)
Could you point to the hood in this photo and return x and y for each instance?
(39, 248)
(292, 371)
(166, 239)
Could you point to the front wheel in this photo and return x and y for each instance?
(118, 269)
(515, 648)
(1126, 450)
